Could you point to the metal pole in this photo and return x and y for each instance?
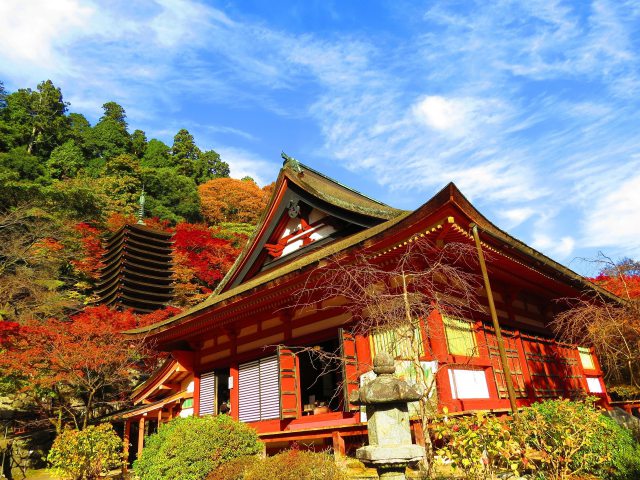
(494, 318)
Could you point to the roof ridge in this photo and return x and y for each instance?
(299, 167)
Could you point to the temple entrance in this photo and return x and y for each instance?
(223, 404)
(320, 381)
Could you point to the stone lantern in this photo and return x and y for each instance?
(386, 399)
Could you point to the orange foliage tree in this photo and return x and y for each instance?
(231, 200)
(83, 359)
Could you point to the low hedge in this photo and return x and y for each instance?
(287, 465)
(190, 448)
(86, 454)
(555, 439)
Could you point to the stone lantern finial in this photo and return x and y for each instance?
(383, 364)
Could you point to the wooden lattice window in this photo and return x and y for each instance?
(461, 339)
(513, 360)
(586, 358)
(259, 390)
(207, 393)
(399, 342)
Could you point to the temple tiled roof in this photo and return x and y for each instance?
(395, 221)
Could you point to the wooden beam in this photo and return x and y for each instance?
(169, 386)
(338, 444)
(496, 325)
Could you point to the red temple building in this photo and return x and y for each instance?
(240, 347)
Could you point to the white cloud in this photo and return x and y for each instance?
(515, 216)
(526, 105)
(445, 115)
(457, 116)
(31, 31)
(614, 219)
(560, 248)
(243, 163)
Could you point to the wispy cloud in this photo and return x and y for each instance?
(614, 221)
(529, 106)
(244, 163)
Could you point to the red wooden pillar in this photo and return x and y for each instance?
(159, 417)
(524, 367)
(418, 433)
(338, 444)
(437, 337)
(363, 351)
(196, 394)
(575, 355)
(438, 342)
(234, 392)
(596, 363)
(140, 435)
(125, 444)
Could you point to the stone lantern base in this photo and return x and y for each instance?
(390, 460)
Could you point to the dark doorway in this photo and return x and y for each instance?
(320, 380)
(223, 403)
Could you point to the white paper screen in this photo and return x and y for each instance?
(468, 383)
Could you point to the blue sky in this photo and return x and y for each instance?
(530, 107)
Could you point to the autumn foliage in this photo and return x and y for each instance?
(200, 261)
(231, 200)
(90, 262)
(83, 357)
(625, 286)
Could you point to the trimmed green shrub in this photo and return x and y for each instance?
(564, 438)
(235, 469)
(478, 446)
(296, 465)
(190, 448)
(555, 439)
(86, 454)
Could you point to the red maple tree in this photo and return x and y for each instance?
(200, 261)
(90, 263)
(623, 285)
(83, 358)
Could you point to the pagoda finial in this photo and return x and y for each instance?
(141, 209)
(295, 165)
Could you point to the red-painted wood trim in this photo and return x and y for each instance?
(234, 393)
(196, 394)
(524, 366)
(338, 443)
(265, 225)
(140, 435)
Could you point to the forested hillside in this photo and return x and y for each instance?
(64, 185)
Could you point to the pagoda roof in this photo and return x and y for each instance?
(137, 271)
(138, 249)
(449, 199)
(156, 241)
